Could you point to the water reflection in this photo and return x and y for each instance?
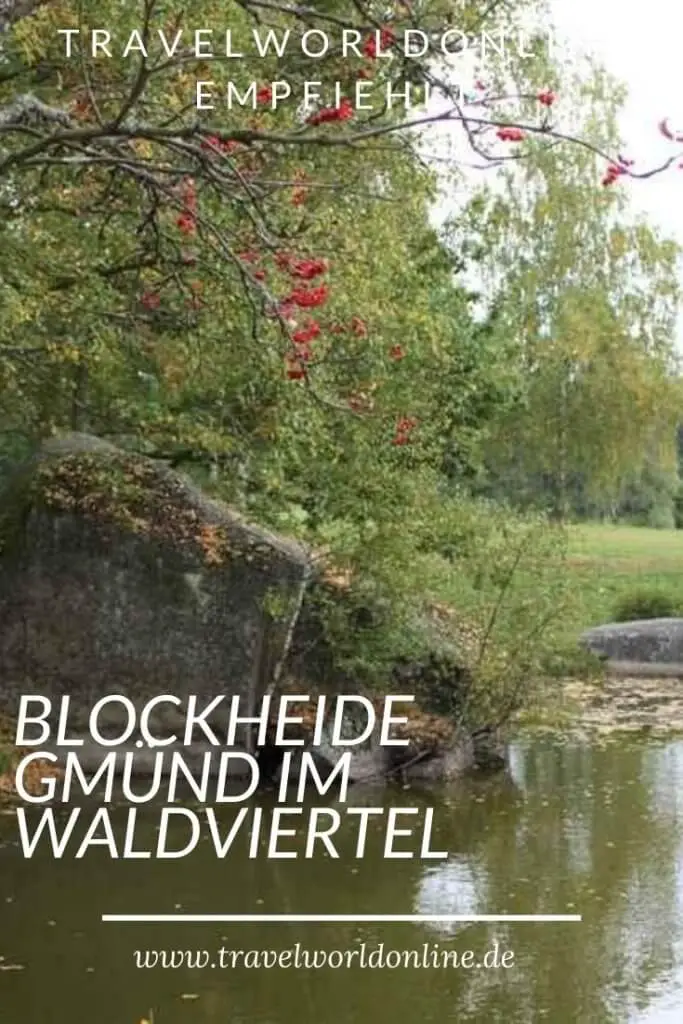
(451, 889)
(589, 829)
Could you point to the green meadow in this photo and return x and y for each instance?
(620, 573)
(612, 564)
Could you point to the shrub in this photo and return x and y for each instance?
(646, 604)
(661, 517)
(457, 604)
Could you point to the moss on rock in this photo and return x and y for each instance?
(88, 478)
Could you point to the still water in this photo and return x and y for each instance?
(579, 828)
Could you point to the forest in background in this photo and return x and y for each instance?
(260, 297)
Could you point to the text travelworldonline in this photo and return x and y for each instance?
(429, 956)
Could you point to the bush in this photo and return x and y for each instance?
(646, 604)
(661, 517)
(457, 604)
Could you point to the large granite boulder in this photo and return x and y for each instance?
(118, 576)
(643, 647)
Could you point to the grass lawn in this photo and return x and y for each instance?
(637, 547)
(605, 566)
(610, 563)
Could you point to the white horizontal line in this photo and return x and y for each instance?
(321, 918)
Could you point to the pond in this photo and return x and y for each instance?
(587, 828)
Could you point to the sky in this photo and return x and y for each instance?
(640, 44)
(642, 47)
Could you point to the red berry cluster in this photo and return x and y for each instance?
(306, 334)
(307, 269)
(213, 144)
(344, 112)
(302, 296)
(387, 39)
(404, 428)
(187, 220)
(510, 133)
(295, 367)
(615, 171)
(302, 338)
(306, 297)
(304, 270)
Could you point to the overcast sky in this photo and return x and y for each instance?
(642, 45)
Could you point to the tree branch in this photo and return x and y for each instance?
(29, 111)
